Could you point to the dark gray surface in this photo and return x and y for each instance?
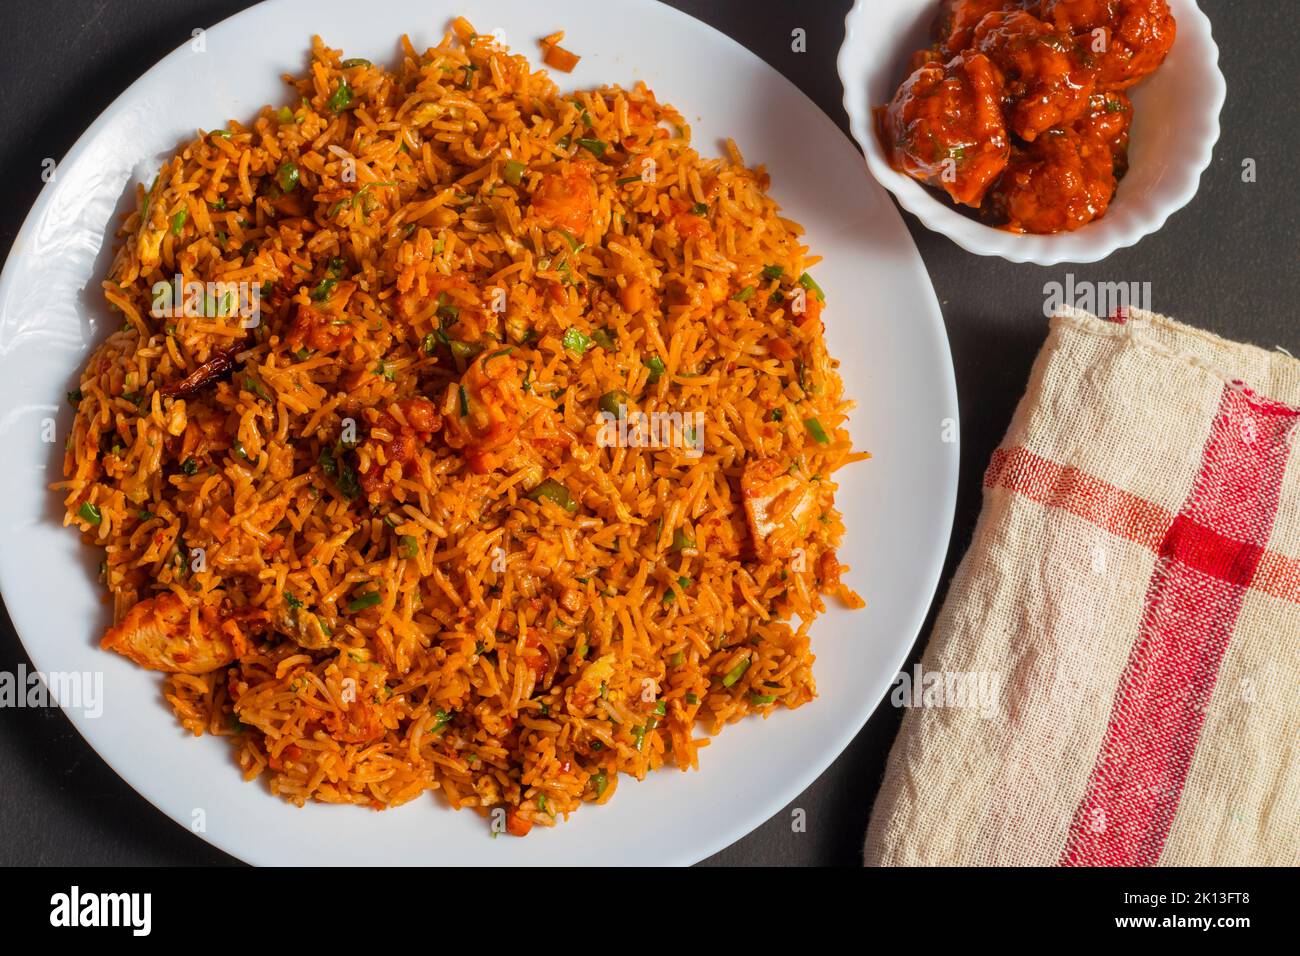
(1229, 263)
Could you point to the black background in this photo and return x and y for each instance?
(1230, 263)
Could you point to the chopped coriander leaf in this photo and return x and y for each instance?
(778, 414)
(292, 601)
(75, 397)
(700, 209)
(440, 720)
(323, 290)
(189, 466)
(430, 343)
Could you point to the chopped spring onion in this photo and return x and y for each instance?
(773, 272)
(341, 98)
(178, 220)
(464, 402)
(514, 172)
(736, 673)
(815, 429)
(90, 513)
(661, 708)
(223, 133)
(576, 340)
(762, 698)
(75, 397)
(287, 177)
(807, 282)
(692, 699)
(284, 115)
(408, 546)
(355, 61)
(594, 146)
(656, 366)
(677, 660)
(440, 720)
(681, 540)
(552, 490)
(700, 209)
(464, 350)
(605, 339)
(599, 780)
(612, 402)
(363, 601)
(189, 466)
(744, 294)
(628, 179)
(430, 343)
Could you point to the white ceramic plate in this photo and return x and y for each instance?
(1175, 126)
(883, 322)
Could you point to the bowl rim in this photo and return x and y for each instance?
(1091, 243)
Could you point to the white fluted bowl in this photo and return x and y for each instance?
(1175, 126)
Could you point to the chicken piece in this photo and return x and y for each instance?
(420, 421)
(1129, 39)
(1106, 125)
(565, 200)
(777, 507)
(1047, 82)
(487, 411)
(323, 326)
(955, 27)
(160, 634)
(945, 128)
(596, 673)
(427, 295)
(1056, 184)
(692, 222)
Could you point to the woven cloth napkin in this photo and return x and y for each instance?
(1132, 592)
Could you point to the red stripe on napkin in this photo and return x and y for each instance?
(1207, 559)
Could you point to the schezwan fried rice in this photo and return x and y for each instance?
(462, 436)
